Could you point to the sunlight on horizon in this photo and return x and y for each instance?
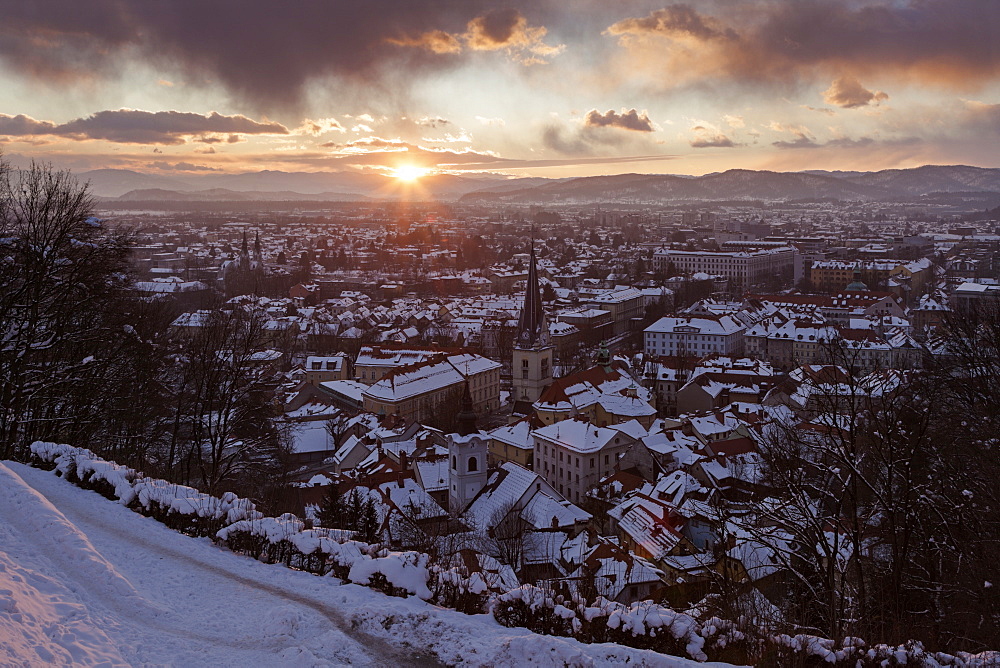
(409, 172)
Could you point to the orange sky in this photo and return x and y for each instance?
(540, 88)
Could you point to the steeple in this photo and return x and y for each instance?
(245, 252)
(604, 356)
(532, 363)
(532, 328)
(256, 250)
(466, 417)
(857, 284)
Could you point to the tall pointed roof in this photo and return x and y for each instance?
(532, 328)
(244, 251)
(466, 417)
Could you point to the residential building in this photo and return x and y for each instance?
(695, 336)
(574, 455)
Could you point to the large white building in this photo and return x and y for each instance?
(694, 336)
(744, 269)
(574, 455)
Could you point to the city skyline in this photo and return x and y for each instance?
(526, 89)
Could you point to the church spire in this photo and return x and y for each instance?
(245, 252)
(466, 418)
(532, 328)
(256, 249)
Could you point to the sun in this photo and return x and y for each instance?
(409, 172)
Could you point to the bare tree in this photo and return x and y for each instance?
(66, 346)
(509, 534)
(223, 417)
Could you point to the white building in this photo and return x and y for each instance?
(694, 336)
(574, 455)
(744, 269)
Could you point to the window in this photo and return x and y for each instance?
(454, 462)
(524, 364)
(591, 462)
(605, 460)
(473, 465)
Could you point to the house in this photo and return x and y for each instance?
(574, 455)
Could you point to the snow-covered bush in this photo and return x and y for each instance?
(86, 469)
(454, 589)
(188, 510)
(236, 523)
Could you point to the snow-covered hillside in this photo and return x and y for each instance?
(84, 581)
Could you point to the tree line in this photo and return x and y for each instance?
(85, 360)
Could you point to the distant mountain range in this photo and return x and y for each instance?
(950, 182)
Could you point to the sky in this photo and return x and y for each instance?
(551, 88)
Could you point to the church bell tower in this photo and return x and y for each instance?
(532, 364)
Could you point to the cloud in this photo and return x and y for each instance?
(318, 127)
(184, 167)
(802, 141)
(131, 126)
(435, 41)
(22, 125)
(432, 122)
(787, 43)
(713, 141)
(863, 142)
(848, 92)
(498, 122)
(803, 138)
(449, 138)
(819, 110)
(366, 145)
(496, 30)
(676, 21)
(626, 120)
(261, 56)
(979, 117)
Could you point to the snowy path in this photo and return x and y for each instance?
(84, 581)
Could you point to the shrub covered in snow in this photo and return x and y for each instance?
(86, 469)
(645, 625)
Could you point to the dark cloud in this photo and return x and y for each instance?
(131, 126)
(22, 125)
(847, 143)
(951, 42)
(848, 92)
(802, 141)
(713, 141)
(626, 120)
(263, 53)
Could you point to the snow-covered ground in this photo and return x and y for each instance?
(85, 581)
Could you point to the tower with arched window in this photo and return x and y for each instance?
(467, 451)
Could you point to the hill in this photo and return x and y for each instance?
(904, 185)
